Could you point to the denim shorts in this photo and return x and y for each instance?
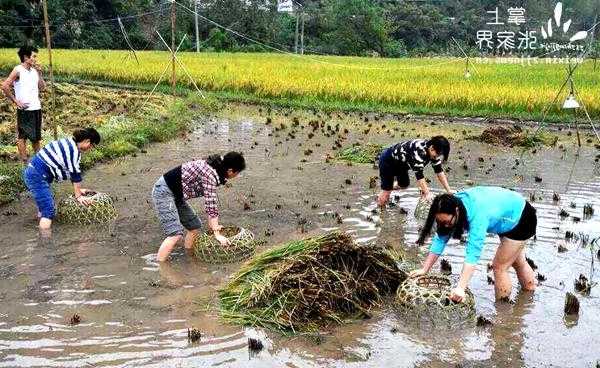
(173, 214)
(39, 186)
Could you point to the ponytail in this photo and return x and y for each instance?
(232, 160)
(445, 203)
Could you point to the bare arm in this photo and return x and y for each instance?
(41, 81)
(458, 294)
(466, 274)
(430, 261)
(7, 86)
(41, 84)
(422, 183)
(213, 224)
(444, 181)
(78, 190)
(427, 265)
(80, 194)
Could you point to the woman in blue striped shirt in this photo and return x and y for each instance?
(58, 160)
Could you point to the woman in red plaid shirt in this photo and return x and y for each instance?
(192, 180)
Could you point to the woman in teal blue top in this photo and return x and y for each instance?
(481, 211)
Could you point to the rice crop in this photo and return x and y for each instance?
(420, 85)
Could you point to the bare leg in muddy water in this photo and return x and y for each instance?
(383, 198)
(45, 234)
(45, 227)
(167, 247)
(384, 195)
(171, 275)
(169, 243)
(511, 253)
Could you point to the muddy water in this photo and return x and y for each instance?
(135, 312)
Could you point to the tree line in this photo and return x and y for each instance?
(389, 28)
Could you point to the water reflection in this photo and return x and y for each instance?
(136, 312)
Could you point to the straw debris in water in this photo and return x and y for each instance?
(571, 304)
(360, 154)
(308, 283)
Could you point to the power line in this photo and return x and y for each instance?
(133, 16)
(309, 58)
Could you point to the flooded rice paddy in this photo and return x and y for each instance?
(133, 312)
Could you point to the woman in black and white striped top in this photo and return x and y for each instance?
(397, 160)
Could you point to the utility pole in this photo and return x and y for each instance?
(302, 34)
(593, 39)
(196, 24)
(296, 42)
(173, 76)
(51, 72)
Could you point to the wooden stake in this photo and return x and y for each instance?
(196, 25)
(50, 70)
(578, 135)
(173, 75)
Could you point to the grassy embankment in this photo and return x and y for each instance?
(124, 119)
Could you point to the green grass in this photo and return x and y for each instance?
(11, 182)
(360, 154)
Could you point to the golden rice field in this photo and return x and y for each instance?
(424, 85)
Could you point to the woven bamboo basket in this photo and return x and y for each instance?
(422, 208)
(208, 249)
(428, 294)
(102, 210)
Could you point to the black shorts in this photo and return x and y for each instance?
(29, 125)
(526, 228)
(390, 169)
(388, 173)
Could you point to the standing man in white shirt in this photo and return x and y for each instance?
(27, 82)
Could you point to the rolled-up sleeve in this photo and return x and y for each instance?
(419, 159)
(75, 175)
(438, 244)
(211, 200)
(437, 166)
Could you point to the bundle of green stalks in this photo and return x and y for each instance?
(360, 154)
(306, 284)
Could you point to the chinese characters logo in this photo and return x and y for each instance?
(554, 33)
